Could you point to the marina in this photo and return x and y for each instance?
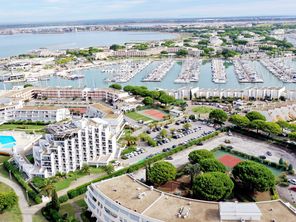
(162, 69)
(218, 71)
(95, 78)
(126, 71)
(245, 73)
(279, 68)
(190, 71)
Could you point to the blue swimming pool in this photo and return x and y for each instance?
(7, 142)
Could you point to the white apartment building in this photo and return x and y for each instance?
(125, 199)
(111, 116)
(41, 113)
(68, 146)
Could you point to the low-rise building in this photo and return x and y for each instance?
(41, 113)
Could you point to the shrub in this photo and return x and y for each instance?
(212, 186)
(7, 200)
(63, 198)
(253, 176)
(161, 172)
(197, 155)
(17, 175)
(212, 165)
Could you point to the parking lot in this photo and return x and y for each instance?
(197, 130)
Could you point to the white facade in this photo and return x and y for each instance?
(111, 116)
(44, 114)
(70, 145)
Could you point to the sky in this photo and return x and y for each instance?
(32, 11)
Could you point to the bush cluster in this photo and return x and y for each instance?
(17, 175)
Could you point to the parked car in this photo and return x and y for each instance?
(262, 157)
(169, 158)
(269, 153)
(292, 181)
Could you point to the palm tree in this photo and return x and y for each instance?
(130, 140)
(192, 170)
(85, 169)
(47, 188)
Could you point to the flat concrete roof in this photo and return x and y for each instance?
(164, 207)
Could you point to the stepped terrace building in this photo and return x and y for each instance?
(124, 199)
(68, 146)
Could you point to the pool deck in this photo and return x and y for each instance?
(23, 142)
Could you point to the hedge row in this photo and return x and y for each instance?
(254, 158)
(83, 188)
(19, 178)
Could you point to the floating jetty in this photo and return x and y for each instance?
(245, 73)
(159, 73)
(190, 71)
(280, 69)
(218, 71)
(126, 71)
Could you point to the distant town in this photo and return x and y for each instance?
(197, 126)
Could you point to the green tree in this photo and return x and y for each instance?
(292, 136)
(163, 133)
(162, 172)
(116, 86)
(85, 169)
(148, 101)
(116, 47)
(193, 170)
(257, 124)
(197, 155)
(7, 200)
(212, 165)
(166, 99)
(47, 188)
(55, 203)
(182, 52)
(130, 139)
(253, 176)
(109, 168)
(272, 128)
(281, 161)
(212, 186)
(239, 120)
(186, 126)
(254, 115)
(28, 85)
(218, 116)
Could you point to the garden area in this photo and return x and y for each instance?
(27, 126)
(9, 209)
(202, 109)
(216, 176)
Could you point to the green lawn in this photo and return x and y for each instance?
(13, 214)
(22, 127)
(202, 109)
(64, 183)
(3, 158)
(38, 217)
(76, 205)
(137, 116)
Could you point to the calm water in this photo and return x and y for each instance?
(94, 78)
(22, 43)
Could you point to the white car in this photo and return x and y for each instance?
(292, 181)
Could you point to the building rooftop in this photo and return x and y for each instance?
(40, 108)
(167, 207)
